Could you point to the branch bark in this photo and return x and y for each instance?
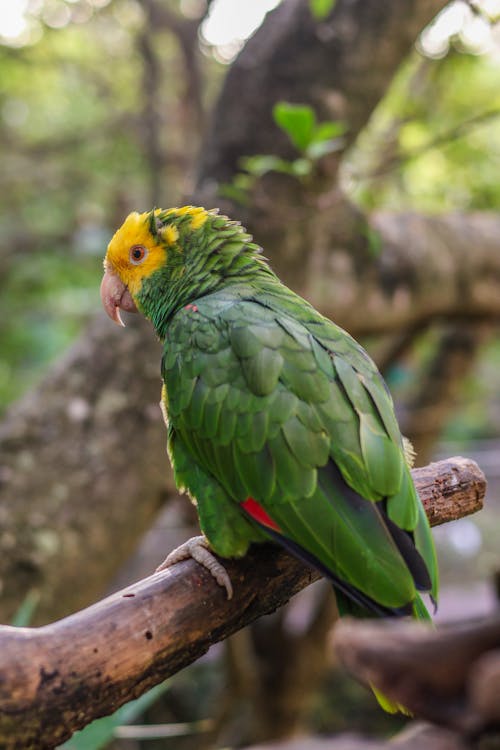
(450, 676)
(57, 678)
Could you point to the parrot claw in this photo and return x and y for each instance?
(199, 549)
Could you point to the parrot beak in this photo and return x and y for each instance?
(115, 296)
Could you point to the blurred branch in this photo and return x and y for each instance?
(430, 267)
(450, 676)
(397, 160)
(57, 678)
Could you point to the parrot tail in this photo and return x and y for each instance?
(420, 611)
(350, 600)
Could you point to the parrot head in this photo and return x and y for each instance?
(144, 252)
(162, 259)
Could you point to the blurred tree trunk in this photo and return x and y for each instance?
(82, 470)
(82, 461)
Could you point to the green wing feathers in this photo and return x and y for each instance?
(269, 400)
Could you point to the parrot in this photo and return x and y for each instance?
(279, 426)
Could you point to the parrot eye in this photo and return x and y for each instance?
(137, 254)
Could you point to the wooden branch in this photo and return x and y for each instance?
(449, 676)
(450, 489)
(57, 678)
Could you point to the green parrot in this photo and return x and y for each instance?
(279, 425)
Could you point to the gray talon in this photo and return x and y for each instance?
(199, 549)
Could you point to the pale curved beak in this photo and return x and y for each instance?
(115, 297)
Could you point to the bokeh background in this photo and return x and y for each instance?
(106, 107)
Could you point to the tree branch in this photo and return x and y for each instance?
(461, 130)
(449, 676)
(57, 678)
(425, 271)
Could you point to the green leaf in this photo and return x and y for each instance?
(234, 193)
(326, 139)
(325, 131)
(101, 731)
(298, 121)
(318, 149)
(24, 613)
(262, 163)
(301, 167)
(321, 8)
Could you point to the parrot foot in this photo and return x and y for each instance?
(199, 549)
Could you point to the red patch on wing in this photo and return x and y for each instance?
(191, 307)
(258, 513)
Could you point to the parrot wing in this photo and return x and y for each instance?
(291, 417)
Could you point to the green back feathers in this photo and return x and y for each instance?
(292, 412)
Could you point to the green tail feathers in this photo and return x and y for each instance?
(420, 611)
